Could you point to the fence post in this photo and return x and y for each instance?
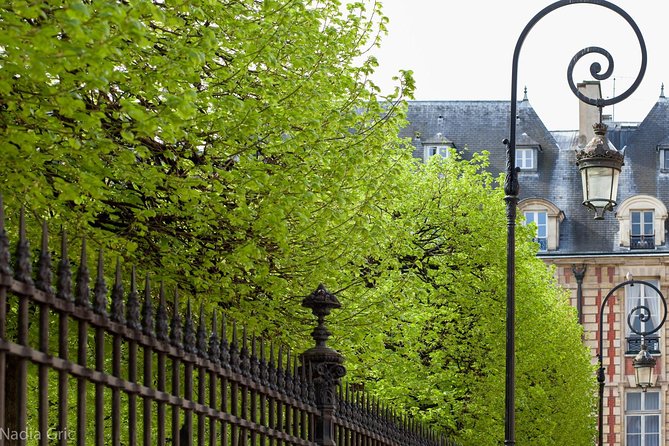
(324, 364)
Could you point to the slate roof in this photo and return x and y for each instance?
(474, 126)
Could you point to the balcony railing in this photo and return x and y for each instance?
(642, 242)
(634, 345)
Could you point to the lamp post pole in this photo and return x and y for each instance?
(642, 360)
(511, 185)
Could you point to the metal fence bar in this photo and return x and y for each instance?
(242, 397)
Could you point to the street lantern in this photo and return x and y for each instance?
(599, 163)
(600, 173)
(644, 368)
(644, 363)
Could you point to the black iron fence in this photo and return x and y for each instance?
(84, 366)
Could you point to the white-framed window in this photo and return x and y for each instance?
(442, 150)
(637, 296)
(526, 158)
(540, 219)
(642, 419)
(547, 217)
(664, 158)
(642, 229)
(641, 219)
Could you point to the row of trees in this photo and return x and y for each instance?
(239, 151)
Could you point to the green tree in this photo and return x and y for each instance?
(435, 342)
(238, 150)
(237, 147)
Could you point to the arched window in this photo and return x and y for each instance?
(547, 217)
(641, 220)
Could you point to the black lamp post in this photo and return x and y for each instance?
(599, 171)
(644, 363)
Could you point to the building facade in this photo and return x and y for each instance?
(591, 257)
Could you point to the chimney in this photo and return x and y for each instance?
(588, 115)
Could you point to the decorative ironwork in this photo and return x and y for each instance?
(162, 325)
(511, 186)
(100, 289)
(634, 345)
(5, 265)
(43, 281)
(642, 242)
(645, 314)
(133, 316)
(240, 395)
(23, 270)
(148, 323)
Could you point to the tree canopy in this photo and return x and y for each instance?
(435, 338)
(240, 151)
(234, 147)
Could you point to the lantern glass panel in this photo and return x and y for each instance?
(644, 376)
(600, 185)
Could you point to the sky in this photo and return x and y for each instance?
(463, 50)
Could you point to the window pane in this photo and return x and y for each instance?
(634, 401)
(529, 217)
(652, 440)
(636, 217)
(634, 440)
(634, 424)
(642, 295)
(652, 401)
(652, 424)
(542, 218)
(648, 229)
(525, 158)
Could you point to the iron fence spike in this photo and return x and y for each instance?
(44, 266)
(64, 282)
(189, 330)
(133, 316)
(214, 343)
(100, 289)
(5, 262)
(176, 335)
(201, 337)
(161, 315)
(117, 309)
(82, 290)
(23, 268)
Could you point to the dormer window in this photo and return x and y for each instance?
(526, 153)
(540, 219)
(664, 156)
(437, 150)
(641, 219)
(642, 232)
(526, 159)
(437, 145)
(546, 217)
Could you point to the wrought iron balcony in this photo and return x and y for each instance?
(634, 345)
(642, 242)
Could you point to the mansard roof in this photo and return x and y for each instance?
(641, 173)
(474, 126)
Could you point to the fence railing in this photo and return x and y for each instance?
(81, 366)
